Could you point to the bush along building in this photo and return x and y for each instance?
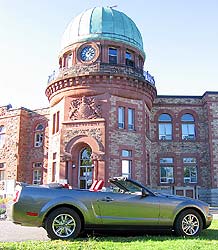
(105, 119)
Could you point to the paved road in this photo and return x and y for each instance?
(11, 232)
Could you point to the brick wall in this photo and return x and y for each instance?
(178, 148)
(121, 139)
(19, 152)
(10, 119)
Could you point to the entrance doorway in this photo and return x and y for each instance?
(85, 168)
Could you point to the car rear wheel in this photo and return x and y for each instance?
(189, 223)
(63, 223)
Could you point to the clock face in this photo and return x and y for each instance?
(87, 53)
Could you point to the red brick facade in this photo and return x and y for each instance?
(104, 121)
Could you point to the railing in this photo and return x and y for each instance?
(77, 70)
(149, 78)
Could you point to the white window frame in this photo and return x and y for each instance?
(2, 136)
(2, 170)
(37, 176)
(131, 119)
(69, 61)
(165, 127)
(126, 163)
(190, 134)
(111, 55)
(190, 162)
(121, 117)
(38, 139)
(188, 127)
(39, 135)
(126, 168)
(167, 163)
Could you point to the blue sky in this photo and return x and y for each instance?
(180, 41)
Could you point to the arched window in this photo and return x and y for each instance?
(165, 127)
(2, 136)
(85, 157)
(39, 133)
(188, 127)
(85, 168)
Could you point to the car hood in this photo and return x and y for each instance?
(180, 198)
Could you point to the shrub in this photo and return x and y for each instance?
(3, 205)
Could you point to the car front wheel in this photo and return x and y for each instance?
(63, 223)
(189, 223)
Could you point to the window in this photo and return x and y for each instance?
(121, 117)
(2, 171)
(37, 173)
(37, 165)
(69, 61)
(129, 61)
(2, 136)
(131, 119)
(126, 163)
(188, 127)
(56, 122)
(39, 135)
(37, 176)
(190, 170)
(140, 62)
(126, 116)
(165, 127)
(147, 125)
(112, 54)
(2, 175)
(85, 157)
(86, 168)
(54, 167)
(166, 170)
(126, 153)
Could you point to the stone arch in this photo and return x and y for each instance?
(72, 151)
(80, 141)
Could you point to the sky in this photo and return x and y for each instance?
(180, 41)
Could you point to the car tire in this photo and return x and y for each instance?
(63, 223)
(189, 224)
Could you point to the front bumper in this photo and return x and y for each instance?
(209, 220)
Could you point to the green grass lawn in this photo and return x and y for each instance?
(208, 240)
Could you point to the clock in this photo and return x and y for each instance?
(88, 53)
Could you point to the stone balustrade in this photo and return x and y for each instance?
(102, 68)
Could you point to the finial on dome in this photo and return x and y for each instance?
(114, 6)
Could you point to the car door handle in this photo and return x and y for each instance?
(107, 199)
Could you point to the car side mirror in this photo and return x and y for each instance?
(144, 192)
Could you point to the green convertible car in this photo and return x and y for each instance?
(125, 205)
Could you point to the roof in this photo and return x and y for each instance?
(102, 23)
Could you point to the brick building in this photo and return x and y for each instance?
(105, 119)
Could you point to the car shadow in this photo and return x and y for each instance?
(130, 236)
(209, 234)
